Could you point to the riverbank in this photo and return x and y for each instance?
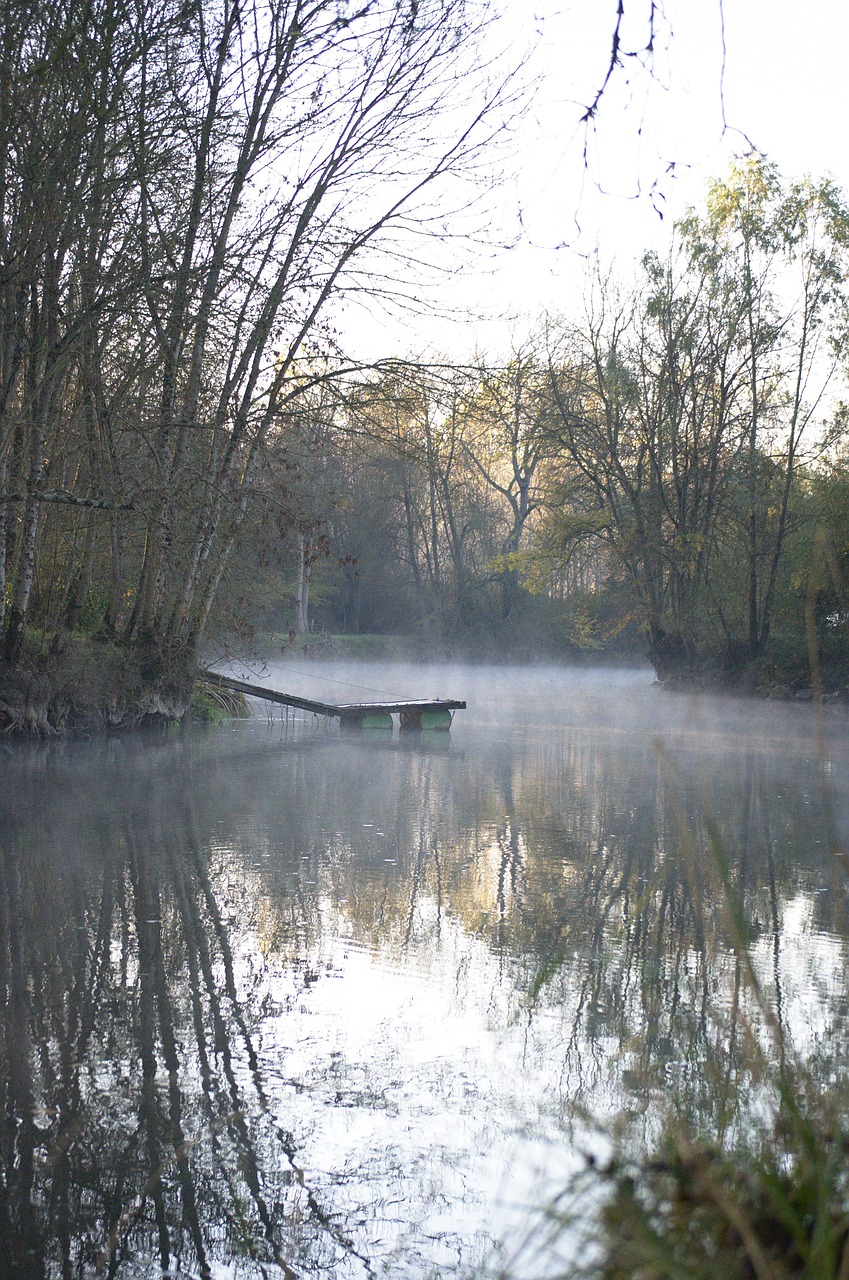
(80, 685)
(371, 647)
(757, 682)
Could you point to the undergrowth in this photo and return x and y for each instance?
(214, 705)
(774, 1206)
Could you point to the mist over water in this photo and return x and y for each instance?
(283, 1001)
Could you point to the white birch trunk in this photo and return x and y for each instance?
(302, 594)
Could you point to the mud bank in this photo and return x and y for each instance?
(87, 687)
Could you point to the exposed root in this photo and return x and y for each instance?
(88, 689)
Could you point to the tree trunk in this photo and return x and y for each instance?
(302, 592)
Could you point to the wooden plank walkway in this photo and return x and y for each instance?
(351, 714)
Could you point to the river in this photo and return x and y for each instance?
(278, 1001)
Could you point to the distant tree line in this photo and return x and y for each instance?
(667, 474)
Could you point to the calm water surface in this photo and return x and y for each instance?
(278, 1002)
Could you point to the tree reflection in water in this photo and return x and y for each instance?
(180, 1084)
(134, 1118)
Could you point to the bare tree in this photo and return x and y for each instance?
(647, 393)
(508, 439)
(776, 253)
(682, 409)
(232, 168)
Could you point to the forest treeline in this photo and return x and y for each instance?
(185, 185)
(186, 189)
(665, 475)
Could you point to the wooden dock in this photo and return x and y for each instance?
(420, 713)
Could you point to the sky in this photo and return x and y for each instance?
(779, 84)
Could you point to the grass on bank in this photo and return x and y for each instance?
(212, 704)
(365, 647)
(775, 1207)
(767, 1200)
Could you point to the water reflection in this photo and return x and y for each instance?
(290, 1004)
(135, 1117)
